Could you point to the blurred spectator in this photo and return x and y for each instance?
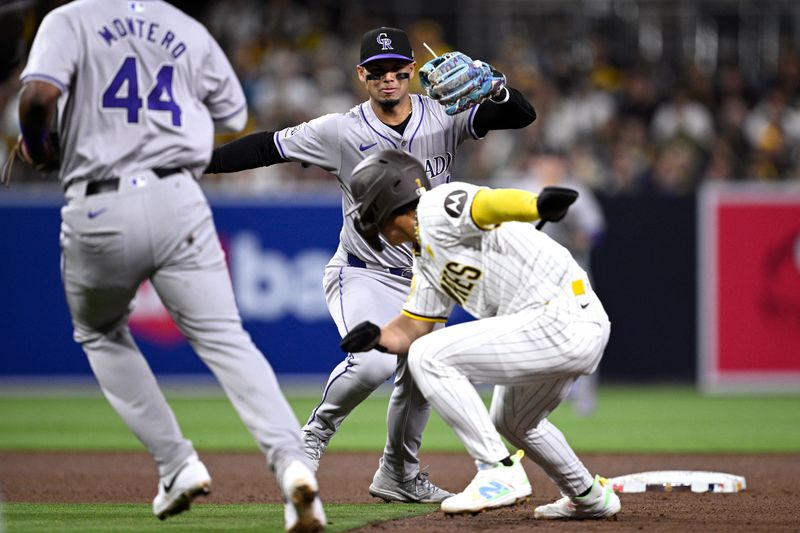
(602, 97)
(682, 116)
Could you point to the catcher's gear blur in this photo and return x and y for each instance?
(381, 184)
(362, 338)
(458, 82)
(553, 202)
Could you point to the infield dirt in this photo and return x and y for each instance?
(770, 502)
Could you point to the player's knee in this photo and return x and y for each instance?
(375, 369)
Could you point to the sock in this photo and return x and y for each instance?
(586, 492)
(508, 462)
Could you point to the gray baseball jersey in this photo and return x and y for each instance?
(540, 327)
(361, 284)
(141, 84)
(338, 142)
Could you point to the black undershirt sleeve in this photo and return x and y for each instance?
(516, 113)
(251, 151)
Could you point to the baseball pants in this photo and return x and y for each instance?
(355, 295)
(533, 357)
(162, 230)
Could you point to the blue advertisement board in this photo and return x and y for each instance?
(276, 251)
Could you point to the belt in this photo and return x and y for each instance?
(112, 184)
(354, 261)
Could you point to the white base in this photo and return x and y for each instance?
(678, 481)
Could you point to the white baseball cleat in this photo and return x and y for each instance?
(493, 486)
(303, 512)
(178, 489)
(601, 502)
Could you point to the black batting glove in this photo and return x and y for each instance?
(362, 338)
(553, 202)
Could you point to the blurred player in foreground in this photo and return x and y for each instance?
(540, 325)
(136, 89)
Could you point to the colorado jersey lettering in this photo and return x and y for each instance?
(338, 142)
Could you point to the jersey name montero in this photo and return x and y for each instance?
(119, 29)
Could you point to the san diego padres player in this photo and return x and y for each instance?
(540, 325)
(361, 283)
(136, 88)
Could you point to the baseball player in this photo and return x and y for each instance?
(540, 325)
(136, 89)
(469, 99)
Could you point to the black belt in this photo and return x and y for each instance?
(112, 184)
(354, 261)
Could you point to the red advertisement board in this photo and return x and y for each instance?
(749, 294)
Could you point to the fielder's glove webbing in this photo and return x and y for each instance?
(362, 338)
(458, 82)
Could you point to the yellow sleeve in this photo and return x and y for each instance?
(491, 207)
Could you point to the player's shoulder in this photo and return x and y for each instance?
(451, 198)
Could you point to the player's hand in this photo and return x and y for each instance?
(553, 202)
(362, 338)
(47, 159)
(458, 82)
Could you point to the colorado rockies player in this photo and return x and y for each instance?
(136, 89)
(540, 325)
(360, 283)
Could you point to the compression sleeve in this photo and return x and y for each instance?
(515, 113)
(251, 151)
(491, 207)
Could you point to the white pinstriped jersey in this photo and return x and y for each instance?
(148, 80)
(488, 272)
(339, 141)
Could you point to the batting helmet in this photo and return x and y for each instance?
(381, 184)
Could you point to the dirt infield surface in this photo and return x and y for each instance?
(770, 502)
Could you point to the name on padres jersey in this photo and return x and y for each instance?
(142, 29)
(458, 280)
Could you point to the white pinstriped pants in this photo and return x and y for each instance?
(532, 357)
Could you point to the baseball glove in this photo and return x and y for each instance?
(47, 160)
(362, 338)
(458, 82)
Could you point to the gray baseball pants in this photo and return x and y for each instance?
(162, 230)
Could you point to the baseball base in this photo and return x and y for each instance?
(678, 481)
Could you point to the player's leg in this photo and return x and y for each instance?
(195, 286)
(103, 262)
(353, 295)
(519, 413)
(445, 364)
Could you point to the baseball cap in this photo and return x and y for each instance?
(385, 43)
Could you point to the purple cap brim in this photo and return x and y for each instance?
(386, 56)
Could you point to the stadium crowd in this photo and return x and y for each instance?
(626, 128)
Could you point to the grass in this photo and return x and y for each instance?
(206, 518)
(628, 419)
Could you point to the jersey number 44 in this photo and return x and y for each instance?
(158, 99)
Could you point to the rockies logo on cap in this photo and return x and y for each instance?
(385, 43)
